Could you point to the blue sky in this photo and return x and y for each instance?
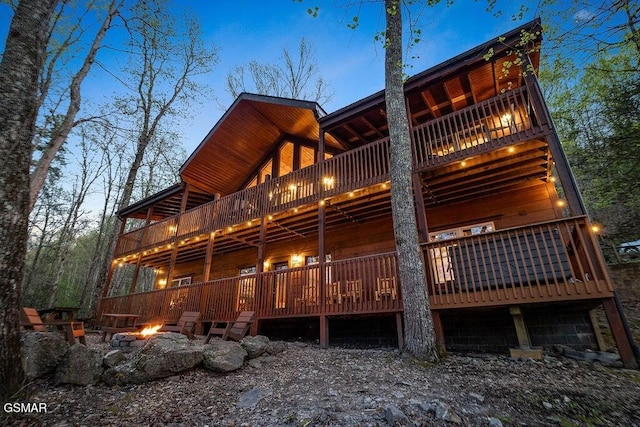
(349, 60)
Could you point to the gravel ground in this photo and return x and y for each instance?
(309, 386)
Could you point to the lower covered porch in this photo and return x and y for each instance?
(555, 262)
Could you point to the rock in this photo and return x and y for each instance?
(223, 356)
(494, 422)
(255, 363)
(80, 366)
(395, 416)
(250, 399)
(113, 358)
(255, 346)
(41, 352)
(162, 356)
(547, 405)
(276, 347)
(478, 398)
(444, 412)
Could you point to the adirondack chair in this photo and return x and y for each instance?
(186, 324)
(30, 319)
(235, 329)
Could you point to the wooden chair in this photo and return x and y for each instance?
(353, 290)
(30, 319)
(186, 324)
(235, 329)
(334, 293)
(386, 287)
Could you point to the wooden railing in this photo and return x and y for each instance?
(556, 260)
(551, 261)
(358, 285)
(482, 127)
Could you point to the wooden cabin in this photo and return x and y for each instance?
(285, 210)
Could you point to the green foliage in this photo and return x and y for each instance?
(597, 117)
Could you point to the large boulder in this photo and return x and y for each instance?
(162, 356)
(81, 366)
(255, 346)
(223, 356)
(41, 352)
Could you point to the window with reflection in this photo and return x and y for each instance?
(307, 156)
(285, 166)
(266, 170)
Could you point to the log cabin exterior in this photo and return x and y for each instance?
(285, 210)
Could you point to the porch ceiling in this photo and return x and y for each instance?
(165, 203)
(250, 129)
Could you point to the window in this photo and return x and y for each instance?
(285, 166)
(440, 262)
(266, 170)
(182, 281)
(307, 156)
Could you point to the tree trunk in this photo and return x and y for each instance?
(418, 323)
(21, 62)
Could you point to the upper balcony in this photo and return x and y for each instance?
(475, 130)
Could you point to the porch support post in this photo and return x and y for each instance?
(134, 280)
(623, 341)
(322, 257)
(576, 205)
(324, 331)
(521, 329)
(257, 297)
(524, 342)
(437, 326)
(421, 212)
(174, 249)
(206, 272)
(208, 258)
(400, 331)
(596, 330)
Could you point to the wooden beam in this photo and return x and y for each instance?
(439, 330)
(569, 184)
(342, 212)
(623, 341)
(208, 258)
(400, 331)
(524, 341)
(324, 331)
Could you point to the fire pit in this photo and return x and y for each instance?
(131, 341)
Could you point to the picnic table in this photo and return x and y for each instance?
(57, 313)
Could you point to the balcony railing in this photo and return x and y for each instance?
(483, 127)
(551, 261)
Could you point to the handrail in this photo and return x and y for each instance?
(546, 262)
(476, 128)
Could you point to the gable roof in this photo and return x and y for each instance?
(249, 130)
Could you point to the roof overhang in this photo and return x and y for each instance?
(248, 132)
(461, 81)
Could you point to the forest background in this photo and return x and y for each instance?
(166, 71)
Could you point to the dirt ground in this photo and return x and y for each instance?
(309, 386)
